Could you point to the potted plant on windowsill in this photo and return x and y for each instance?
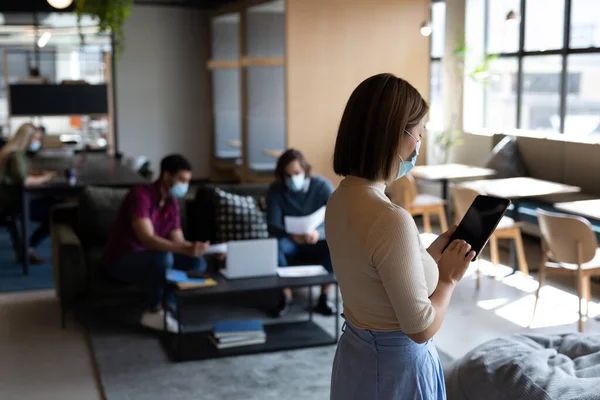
(111, 15)
(480, 73)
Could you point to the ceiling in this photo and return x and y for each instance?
(43, 6)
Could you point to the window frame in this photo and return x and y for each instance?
(521, 53)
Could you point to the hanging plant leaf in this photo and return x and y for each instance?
(111, 16)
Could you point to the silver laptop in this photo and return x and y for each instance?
(250, 258)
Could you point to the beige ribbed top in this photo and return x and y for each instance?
(384, 271)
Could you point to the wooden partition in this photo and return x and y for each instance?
(332, 46)
(248, 90)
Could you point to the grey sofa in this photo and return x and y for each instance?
(79, 232)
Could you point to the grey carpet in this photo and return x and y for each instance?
(133, 365)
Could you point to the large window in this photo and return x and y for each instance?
(540, 65)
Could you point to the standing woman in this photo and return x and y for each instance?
(395, 291)
(298, 193)
(14, 175)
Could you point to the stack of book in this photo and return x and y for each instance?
(228, 334)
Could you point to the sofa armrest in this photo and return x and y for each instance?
(68, 264)
(64, 214)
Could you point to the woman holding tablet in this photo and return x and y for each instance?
(395, 291)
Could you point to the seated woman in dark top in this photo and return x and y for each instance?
(14, 174)
(297, 193)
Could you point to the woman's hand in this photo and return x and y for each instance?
(312, 238)
(298, 239)
(455, 261)
(436, 248)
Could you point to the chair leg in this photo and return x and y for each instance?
(580, 296)
(521, 253)
(14, 236)
(541, 278)
(478, 274)
(426, 222)
(495, 258)
(443, 221)
(587, 294)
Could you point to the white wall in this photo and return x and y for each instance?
(163, 87)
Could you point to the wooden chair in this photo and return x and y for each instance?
(569, 247)
(404, 193)
(507, 228)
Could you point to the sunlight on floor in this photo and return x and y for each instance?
(555, 307)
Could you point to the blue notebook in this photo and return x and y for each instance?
(181, 279)
(237, 327)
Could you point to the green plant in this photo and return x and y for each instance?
(479, 73)
(111, 15)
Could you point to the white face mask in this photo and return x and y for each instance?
(296, 182)
(406, 166)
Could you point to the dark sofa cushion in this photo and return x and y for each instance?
(98, 209)
(506, 160)
(202, 223)
(239, 218)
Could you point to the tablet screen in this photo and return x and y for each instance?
(479, 222)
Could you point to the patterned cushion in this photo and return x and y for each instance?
(239, 218)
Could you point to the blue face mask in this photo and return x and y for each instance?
(296, 182)
(406, 166)
(34, 146)
(179, 190)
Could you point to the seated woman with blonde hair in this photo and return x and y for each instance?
(14, 175)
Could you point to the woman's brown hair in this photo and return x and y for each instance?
(376, 116)
(285, 159)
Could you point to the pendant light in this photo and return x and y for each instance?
(60, 4)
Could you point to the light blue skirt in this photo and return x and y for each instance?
(376, 365)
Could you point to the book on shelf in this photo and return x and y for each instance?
(237, 328)
(247, 341)
(241, 338)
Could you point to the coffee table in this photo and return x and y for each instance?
(193, 344)
(517, 189)
(446, 173)
(585, 208)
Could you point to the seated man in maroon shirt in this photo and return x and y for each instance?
(147, 239)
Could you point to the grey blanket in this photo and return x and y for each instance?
(529, 367)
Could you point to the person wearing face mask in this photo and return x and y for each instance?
(147, 240)
(297, 193)
(15, 173)
(395, 291)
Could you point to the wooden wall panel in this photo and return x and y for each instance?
(332, 46)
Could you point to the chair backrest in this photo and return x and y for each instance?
(563, 233)
(462, 197)
(403, 191)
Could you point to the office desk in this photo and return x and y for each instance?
(96, 170)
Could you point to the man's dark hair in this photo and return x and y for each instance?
(173, 164)
(288, 157)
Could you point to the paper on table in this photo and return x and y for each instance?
(220, 248)
(301, 271)
(304, 225)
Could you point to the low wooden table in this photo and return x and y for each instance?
(585, 208)
(193, 344)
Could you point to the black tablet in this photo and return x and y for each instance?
(480, 221)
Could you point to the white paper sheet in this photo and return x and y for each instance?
(304, 225)
(301, 271)
(220, 248)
